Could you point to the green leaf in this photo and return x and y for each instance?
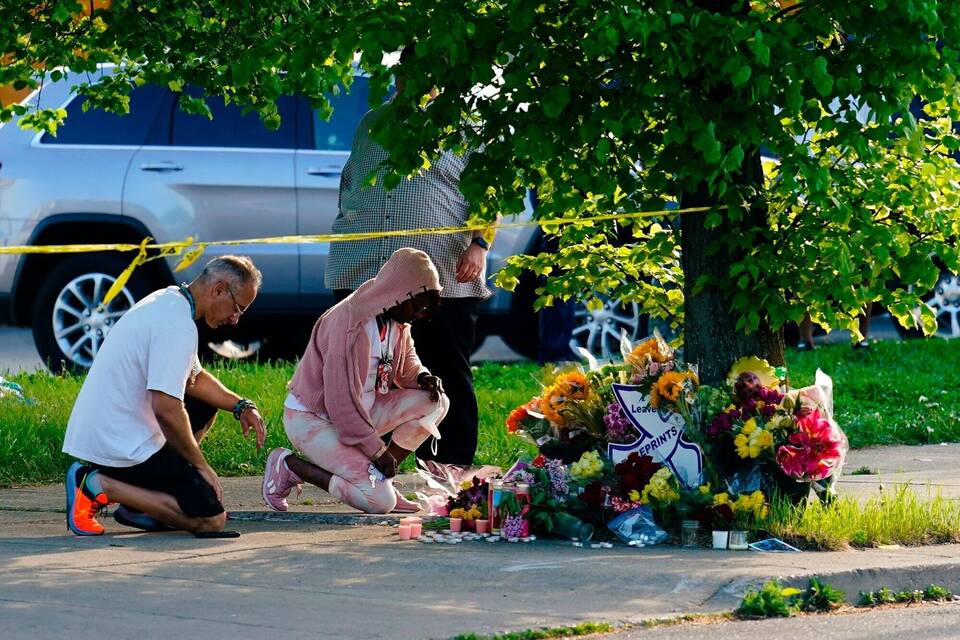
(740, 77)
(822, 81)
(555, 100)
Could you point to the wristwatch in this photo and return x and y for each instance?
(479, 241)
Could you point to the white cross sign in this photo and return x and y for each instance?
(661, 436)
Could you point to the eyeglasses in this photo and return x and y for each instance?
(239, 310)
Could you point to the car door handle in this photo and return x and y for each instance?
(326, 172)
(161, 167)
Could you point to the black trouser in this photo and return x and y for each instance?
(168, 472)
(444, 344)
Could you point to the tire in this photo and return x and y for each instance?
(597, 331)
(68, 327)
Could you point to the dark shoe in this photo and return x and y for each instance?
(130, 517)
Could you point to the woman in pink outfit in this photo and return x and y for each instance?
(359, 379)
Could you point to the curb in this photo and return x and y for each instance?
(854, 581)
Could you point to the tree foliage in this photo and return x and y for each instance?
(605, 106)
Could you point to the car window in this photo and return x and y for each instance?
(230, 127)
(348, 108)
(99, 127)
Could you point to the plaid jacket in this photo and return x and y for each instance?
(431, 199)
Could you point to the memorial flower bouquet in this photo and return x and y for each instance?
(550, 494)
(565, 420)
(788, 433)
(470, 503)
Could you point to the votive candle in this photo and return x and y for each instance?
(404, 531)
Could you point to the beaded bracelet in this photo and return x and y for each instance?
(242, 406)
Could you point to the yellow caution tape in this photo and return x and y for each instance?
(167, 249)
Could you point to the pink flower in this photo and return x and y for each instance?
(812, 451)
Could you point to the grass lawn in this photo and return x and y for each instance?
(894, 393)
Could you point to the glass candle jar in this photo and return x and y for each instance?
(690, 534)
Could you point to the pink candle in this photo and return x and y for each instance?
(404, 530)
(416, 529)
(482, 526)
(456, 524)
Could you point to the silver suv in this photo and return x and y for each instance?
(162, 172)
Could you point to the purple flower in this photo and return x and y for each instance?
(722, 422)
(771, 396)
(619, 428)
(558, 480)
(512, 527)
(521, 476)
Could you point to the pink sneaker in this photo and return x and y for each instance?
(278, 480)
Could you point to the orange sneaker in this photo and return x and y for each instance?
(85, 498)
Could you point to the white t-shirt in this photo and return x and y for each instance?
(377, 347)
(153, 347)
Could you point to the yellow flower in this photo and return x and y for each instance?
(766, 373)
(764, 439)
(705, 489)
(669, 387)
(589, 466)
(661, 488)
(570, 386)
(634, 495)
(466, 484)
(721, 498)
(457, 513)
(752, 440)
(742, 443)
(653, 349)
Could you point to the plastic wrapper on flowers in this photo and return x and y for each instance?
(637, 525)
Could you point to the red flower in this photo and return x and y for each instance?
(635, 472)
(813, 450)
(540, 461)
(592, 495)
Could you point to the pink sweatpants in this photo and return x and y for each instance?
(408, 413)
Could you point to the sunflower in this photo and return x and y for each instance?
(653, 349)
(669, 387)
(570, 386)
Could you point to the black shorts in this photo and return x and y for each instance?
(168, 472)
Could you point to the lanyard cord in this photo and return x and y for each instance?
(189, 296)
(387, 356)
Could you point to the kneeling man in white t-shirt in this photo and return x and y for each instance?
(147, 402)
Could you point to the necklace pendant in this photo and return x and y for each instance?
(384, 369)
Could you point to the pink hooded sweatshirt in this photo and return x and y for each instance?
(329, 378)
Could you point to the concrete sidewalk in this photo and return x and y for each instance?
(298, 575)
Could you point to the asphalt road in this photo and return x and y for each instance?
(921, 622)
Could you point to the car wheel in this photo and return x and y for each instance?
(944, 300)
(599, 331)
(69, 325)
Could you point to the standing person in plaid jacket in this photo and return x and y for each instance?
(432, 198)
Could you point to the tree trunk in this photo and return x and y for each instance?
(711, 339)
